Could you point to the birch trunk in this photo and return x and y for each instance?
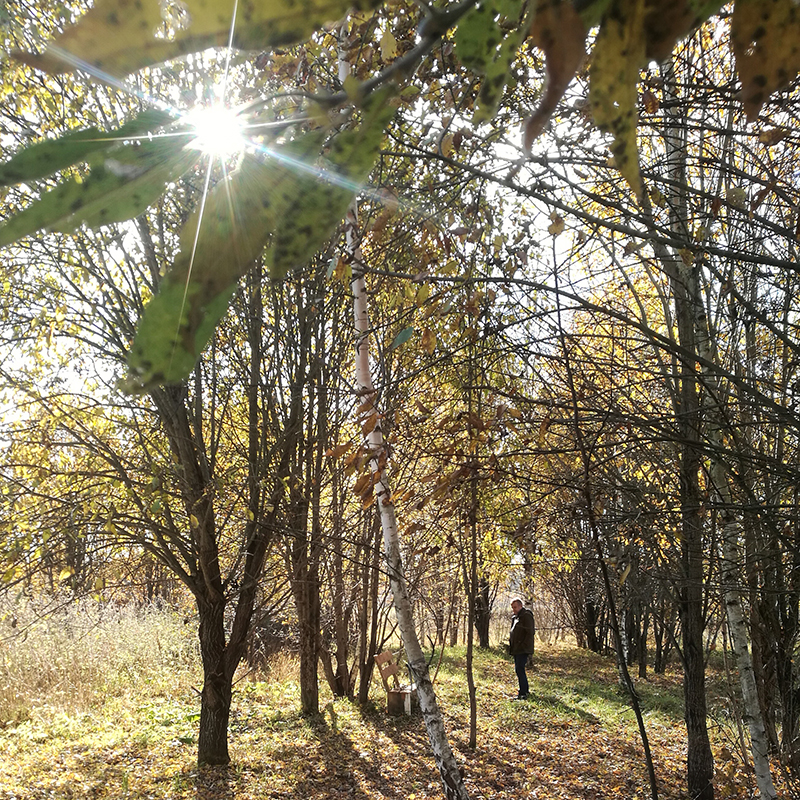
(449, 771)
(730, 566)
(759, 744)
(452, 781)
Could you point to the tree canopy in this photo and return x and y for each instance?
(293, 194)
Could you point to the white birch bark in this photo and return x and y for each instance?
(730, 564)
(452, 780)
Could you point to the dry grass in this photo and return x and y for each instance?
(70, 657)
(130, 731)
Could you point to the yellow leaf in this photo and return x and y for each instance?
(388, 46)
(657, 196)
(65, 573)
(618, 54)
(447, 145)
(193, 521)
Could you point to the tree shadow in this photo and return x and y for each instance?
(217, 783)
(338, 766)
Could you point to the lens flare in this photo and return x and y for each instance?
(219, 130)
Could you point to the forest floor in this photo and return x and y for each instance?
(575, 738)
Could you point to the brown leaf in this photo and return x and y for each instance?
(369, 424)
(557, 30)
(773, 136)
(759, 198)
(367, 405)
(363, 484)
(766, 45)
(556, 224)
(666, 21)
(428, 341)
(339, 450)
(650, 102)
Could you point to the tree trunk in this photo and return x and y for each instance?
(738, 630)
(483, 612)
(684, 282)
(592, 642)
(215, 699)
(452, 781)
(371, 579)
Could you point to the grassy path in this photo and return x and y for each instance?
(576, 738)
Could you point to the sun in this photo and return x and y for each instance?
(219, 130)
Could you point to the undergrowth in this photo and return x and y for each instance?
(102, 702)
(68, 657)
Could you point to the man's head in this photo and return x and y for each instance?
(516, 605)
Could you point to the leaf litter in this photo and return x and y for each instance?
(576, 738)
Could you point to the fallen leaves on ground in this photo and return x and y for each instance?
(576, 738)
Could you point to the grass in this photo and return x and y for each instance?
(74, 656)
(130, 730)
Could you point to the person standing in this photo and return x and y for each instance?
(520, 642)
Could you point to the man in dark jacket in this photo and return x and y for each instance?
(520, 642)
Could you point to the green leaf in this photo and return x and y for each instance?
(120, 186)
(283, 199)
(219, 243)
(483, 45)
(50, 156)
(477, 38)
(171, 335)
(313, 205)
(401, 338)
(118, 37)
(618, 55)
